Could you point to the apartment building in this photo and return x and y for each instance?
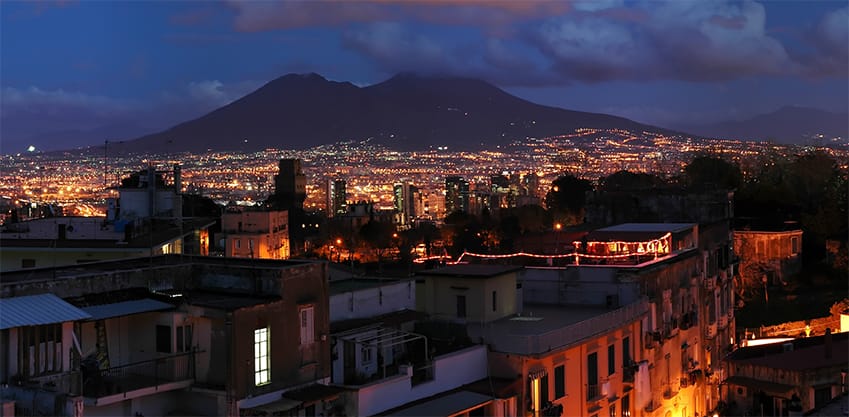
(167, 335)
(255, 233)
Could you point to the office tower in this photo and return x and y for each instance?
(336, 197)
(290, 184)
(407, 199)
(456, 195)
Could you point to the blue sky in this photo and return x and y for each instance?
(68, 65)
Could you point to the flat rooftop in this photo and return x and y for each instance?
(147, 262)
(648, 227)
(544, 327)
(342, 286)
(471, 271)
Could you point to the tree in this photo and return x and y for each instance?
(378, 236)
(630, 181)
(706, 172)
(567, 198)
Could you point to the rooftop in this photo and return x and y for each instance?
(159, 261)
(225, 301)
(543, 327)
(806, 353)
(342, 286)
(472, 271)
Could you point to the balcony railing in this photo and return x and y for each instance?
(125, 378)
(593, 392)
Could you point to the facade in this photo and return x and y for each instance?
(407, 199)
(255, 233)
(768, 254)
(787, 378)
(456, 195)
(336, 197)
(172, 335)
(290, 184)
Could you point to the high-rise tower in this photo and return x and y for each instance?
(456, 194)
(336, 197)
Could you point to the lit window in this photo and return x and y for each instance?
(262, 359)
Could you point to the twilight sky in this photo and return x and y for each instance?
(136, 66)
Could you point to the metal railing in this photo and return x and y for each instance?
(133, 376)
(593, 392)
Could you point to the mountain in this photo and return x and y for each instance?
(406, 112)
(785, 125)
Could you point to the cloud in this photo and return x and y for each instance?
(693, 41)
(257, 16)
(33, 110)
(830, 40)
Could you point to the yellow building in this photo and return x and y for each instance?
(255, 233)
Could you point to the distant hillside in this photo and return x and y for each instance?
(406, 112)
(785, 125)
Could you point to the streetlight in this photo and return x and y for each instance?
(557, 227)
(338, 250)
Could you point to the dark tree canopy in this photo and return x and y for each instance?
(711, 172)
(567, 198)
(627, 180)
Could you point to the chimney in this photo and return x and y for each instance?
(828, 343)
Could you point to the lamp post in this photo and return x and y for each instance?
(338, 250)
(557, 227)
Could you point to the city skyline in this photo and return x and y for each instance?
(146, 66)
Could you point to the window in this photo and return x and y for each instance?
(794, 245)
(262, 359)
(559, 381)
(163, 339)
(543, 397)
(461, 306)
(307, 325)
(237, 243)
(611, 359)
(40, 350)
(494, 301)
(27, 263)
(365, 354)
(592, 376)
(626, 406)
(612, 410)
(626, 351)
(184, 338)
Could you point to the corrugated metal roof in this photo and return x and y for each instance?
(34, 310)
(125, 308)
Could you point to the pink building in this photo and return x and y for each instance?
(252, 233)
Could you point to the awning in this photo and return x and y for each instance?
(537, 373)
(447, 405)
(774, 389)
(36, 310)
(125, 308)
(273, 408)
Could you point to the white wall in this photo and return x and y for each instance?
(586, 285)
(368, 302)
(450, 371)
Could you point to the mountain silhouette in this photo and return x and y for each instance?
(789, 124)
(406, 112)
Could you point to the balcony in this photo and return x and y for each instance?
(710, 331)
(107, 386)
(593, 392)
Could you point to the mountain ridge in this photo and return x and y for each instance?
(407, 112)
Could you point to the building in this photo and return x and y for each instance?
(407, 199)
(336, 197)
(672, 301)
(290, 184)
(787, 378)
(167, 336)
(770, 252)
(456, 195)
(255, 233)
(387, 356)
(145, 220)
